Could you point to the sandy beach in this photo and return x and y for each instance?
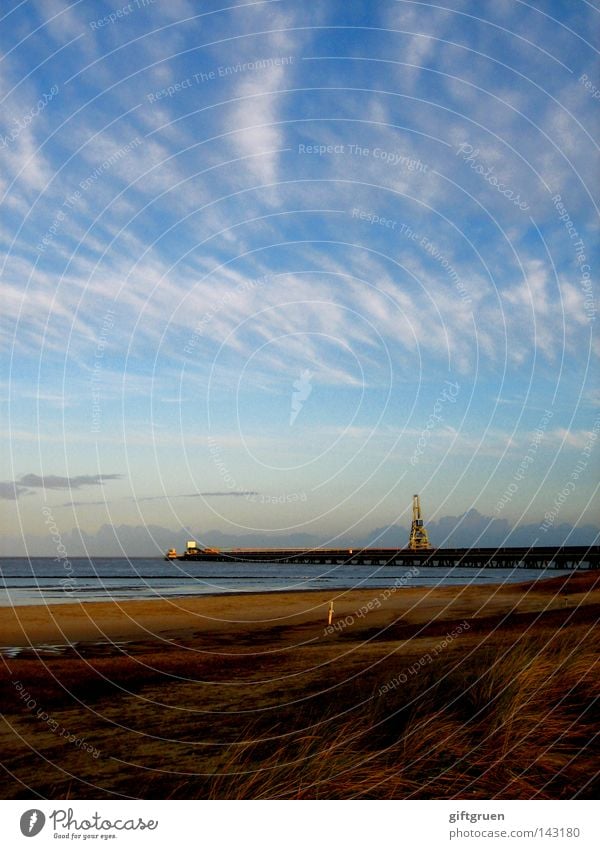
(246, 614)
(199, 696)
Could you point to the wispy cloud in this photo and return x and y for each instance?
(336, 108)
(218, 494)
(58, 482)
(12, 490)
(145, 498)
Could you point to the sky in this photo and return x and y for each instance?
(269, 269)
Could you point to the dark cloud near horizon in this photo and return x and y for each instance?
(58, 482)
(12, 490)
(84, 503)
(159, 497)
(195, 495)
(213, 494)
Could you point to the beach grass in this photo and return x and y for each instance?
(516, 720)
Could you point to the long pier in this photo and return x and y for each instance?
(564, 557)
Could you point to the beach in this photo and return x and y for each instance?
(418, 692)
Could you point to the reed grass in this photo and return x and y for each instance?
(514, 721)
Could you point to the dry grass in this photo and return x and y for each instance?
(517, 720)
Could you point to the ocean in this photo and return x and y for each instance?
(46, 580)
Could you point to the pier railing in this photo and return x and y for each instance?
(564, 557)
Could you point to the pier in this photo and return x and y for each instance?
(564, 557)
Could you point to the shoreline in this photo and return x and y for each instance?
(175, 617)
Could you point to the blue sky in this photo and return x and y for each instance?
(275, 267)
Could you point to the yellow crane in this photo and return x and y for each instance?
(419, 541)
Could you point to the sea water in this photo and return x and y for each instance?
(45, 580)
